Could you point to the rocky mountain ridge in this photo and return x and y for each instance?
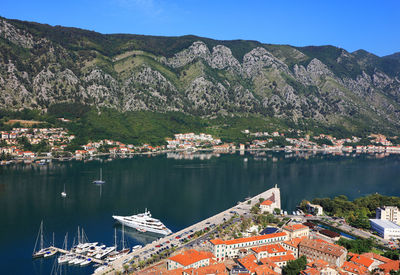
(42, 65)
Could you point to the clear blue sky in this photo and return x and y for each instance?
(364, 24)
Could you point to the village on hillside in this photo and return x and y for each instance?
(30, 144)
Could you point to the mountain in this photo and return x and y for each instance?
(42, 66)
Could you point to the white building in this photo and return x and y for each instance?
(316, 209)
(386, 229)
(267, 206)
(390, 213)
(228, 249)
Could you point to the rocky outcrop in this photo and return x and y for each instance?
(201, 79)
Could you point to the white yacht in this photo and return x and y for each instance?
(144, 222)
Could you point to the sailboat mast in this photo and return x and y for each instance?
(79, 236)
(53, 239)
(123, 235)
(41, 236)
(115, 238)
(66, 241)
(101, 174)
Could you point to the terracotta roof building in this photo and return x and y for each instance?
(296, 231)
(322, 250)
(189, 259)
(269, 251)
(293, 245)
(228, 249)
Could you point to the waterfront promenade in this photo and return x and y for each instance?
(242, 208)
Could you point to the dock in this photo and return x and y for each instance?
(242, 208)
(63, 251)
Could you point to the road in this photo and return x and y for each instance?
(242, 208)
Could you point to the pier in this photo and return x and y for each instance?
(63, 251)
(242, 208)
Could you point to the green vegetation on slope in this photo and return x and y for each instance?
(355, 212)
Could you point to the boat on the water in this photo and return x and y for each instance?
(100, 181)
(144, 222)
(42, 251)
(63, 193)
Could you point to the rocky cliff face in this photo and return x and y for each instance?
(42, 65)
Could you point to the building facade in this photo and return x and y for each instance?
(189, 259)
(229, 249)
(318, 249)
(389, 213)
(296, 231)
(385, 228)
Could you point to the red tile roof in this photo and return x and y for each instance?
(264, 270)
(249, 239)
(217, 241)
(249, 262)
(353, 268)
(284, 258)
(361, 260)
(294, 242)
(318, 263)
(272, 248)
(295, 227)
(392, 265)
(204, 270)
(266, 202)
(323, 246)
(376, 257)
(191, 256)
(310, 271)
(268, 262)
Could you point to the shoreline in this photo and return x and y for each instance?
(189, 152)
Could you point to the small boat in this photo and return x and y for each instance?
(51, 252)
(63, 193)
(79, 260)
(72, 260)
(42, 251)
(136, 247)
(86, 262)
(63, 259)
(100, 181)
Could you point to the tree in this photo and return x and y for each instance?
(25, 143)
(294, 267)
(356, 246)
(255, 209)
(391, 254)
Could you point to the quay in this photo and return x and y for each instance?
(242, 208)
(63, 251)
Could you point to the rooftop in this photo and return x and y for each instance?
(323, 246)
(353, 268)
(191, 256)
(385, 224)
(295, 227)
(266, 202)
(248, 239)
(272, 248)
(361, 260)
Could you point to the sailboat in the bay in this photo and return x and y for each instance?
(100, 181)
(63, 193)
(38, 253)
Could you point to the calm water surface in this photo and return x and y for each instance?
(179, 192)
